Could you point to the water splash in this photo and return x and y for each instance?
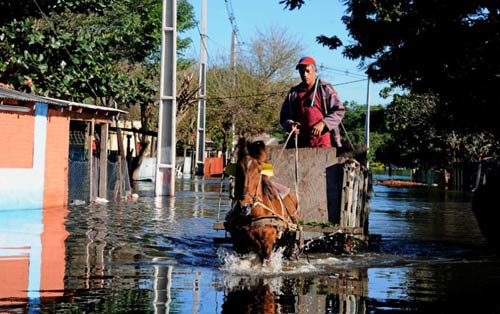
(250, 264)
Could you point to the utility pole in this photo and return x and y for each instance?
(165, 154)
(200, 136)
(233, 83)
(234, 40)
(367, 122)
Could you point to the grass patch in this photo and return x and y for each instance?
(319, 224)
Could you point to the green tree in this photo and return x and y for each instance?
(445, 54)
(92, 51)
(445, 48)
(417, 140)
(354, 122)
(355, 127)
(88, 50)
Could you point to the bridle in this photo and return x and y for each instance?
(254, 197)
(257, 201)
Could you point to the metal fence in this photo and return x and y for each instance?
(117, 183)
(79, 181)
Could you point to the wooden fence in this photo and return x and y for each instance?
(354, 209)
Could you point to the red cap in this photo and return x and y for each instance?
(305, 61)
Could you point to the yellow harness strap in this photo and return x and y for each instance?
(267, 169)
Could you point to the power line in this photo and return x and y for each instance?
(249, 95)
(350, 82)
(340, 71)
(203, 41)
(278, 92)
(232, 20)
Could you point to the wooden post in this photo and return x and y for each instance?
(361, 202)
(121, 150)
(355, 190)
(349, 187)
(103, 160)
(90, 137)
(366, 207)
(343, 200)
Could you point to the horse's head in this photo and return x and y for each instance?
(248, 185)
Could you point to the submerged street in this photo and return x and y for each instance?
(158, 256)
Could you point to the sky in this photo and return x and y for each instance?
(314, 18)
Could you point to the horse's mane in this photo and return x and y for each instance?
(241, 148)
(268, 188)
(258, 151)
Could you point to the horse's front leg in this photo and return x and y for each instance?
(266, 236)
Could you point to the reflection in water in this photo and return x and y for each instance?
(162, 286)
(256, 298)
(94, 247)
(319, 285)
(342, 292)
(32, 256)
(158, 255)
(164, 205)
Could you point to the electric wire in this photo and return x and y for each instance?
(277, 92)
(232, 20)
(345, 72)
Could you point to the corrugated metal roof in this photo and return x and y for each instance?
(6, 93)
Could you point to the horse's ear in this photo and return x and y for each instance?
(242, 142)
(258, 150)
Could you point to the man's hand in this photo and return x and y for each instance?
(317, 129)
(295, 128)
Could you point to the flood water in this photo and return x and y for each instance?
(159, 256)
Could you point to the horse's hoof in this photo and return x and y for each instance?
(294, 257)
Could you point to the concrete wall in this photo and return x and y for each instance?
(22, 187)
(34, 158)
(56, 160)
(16, 147)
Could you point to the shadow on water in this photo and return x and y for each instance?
(157, 255)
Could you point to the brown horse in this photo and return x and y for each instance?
(261, 220)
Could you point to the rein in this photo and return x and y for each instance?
(299, 227)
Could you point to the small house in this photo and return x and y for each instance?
(51, 149)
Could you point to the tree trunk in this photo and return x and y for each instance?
(137, 161)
